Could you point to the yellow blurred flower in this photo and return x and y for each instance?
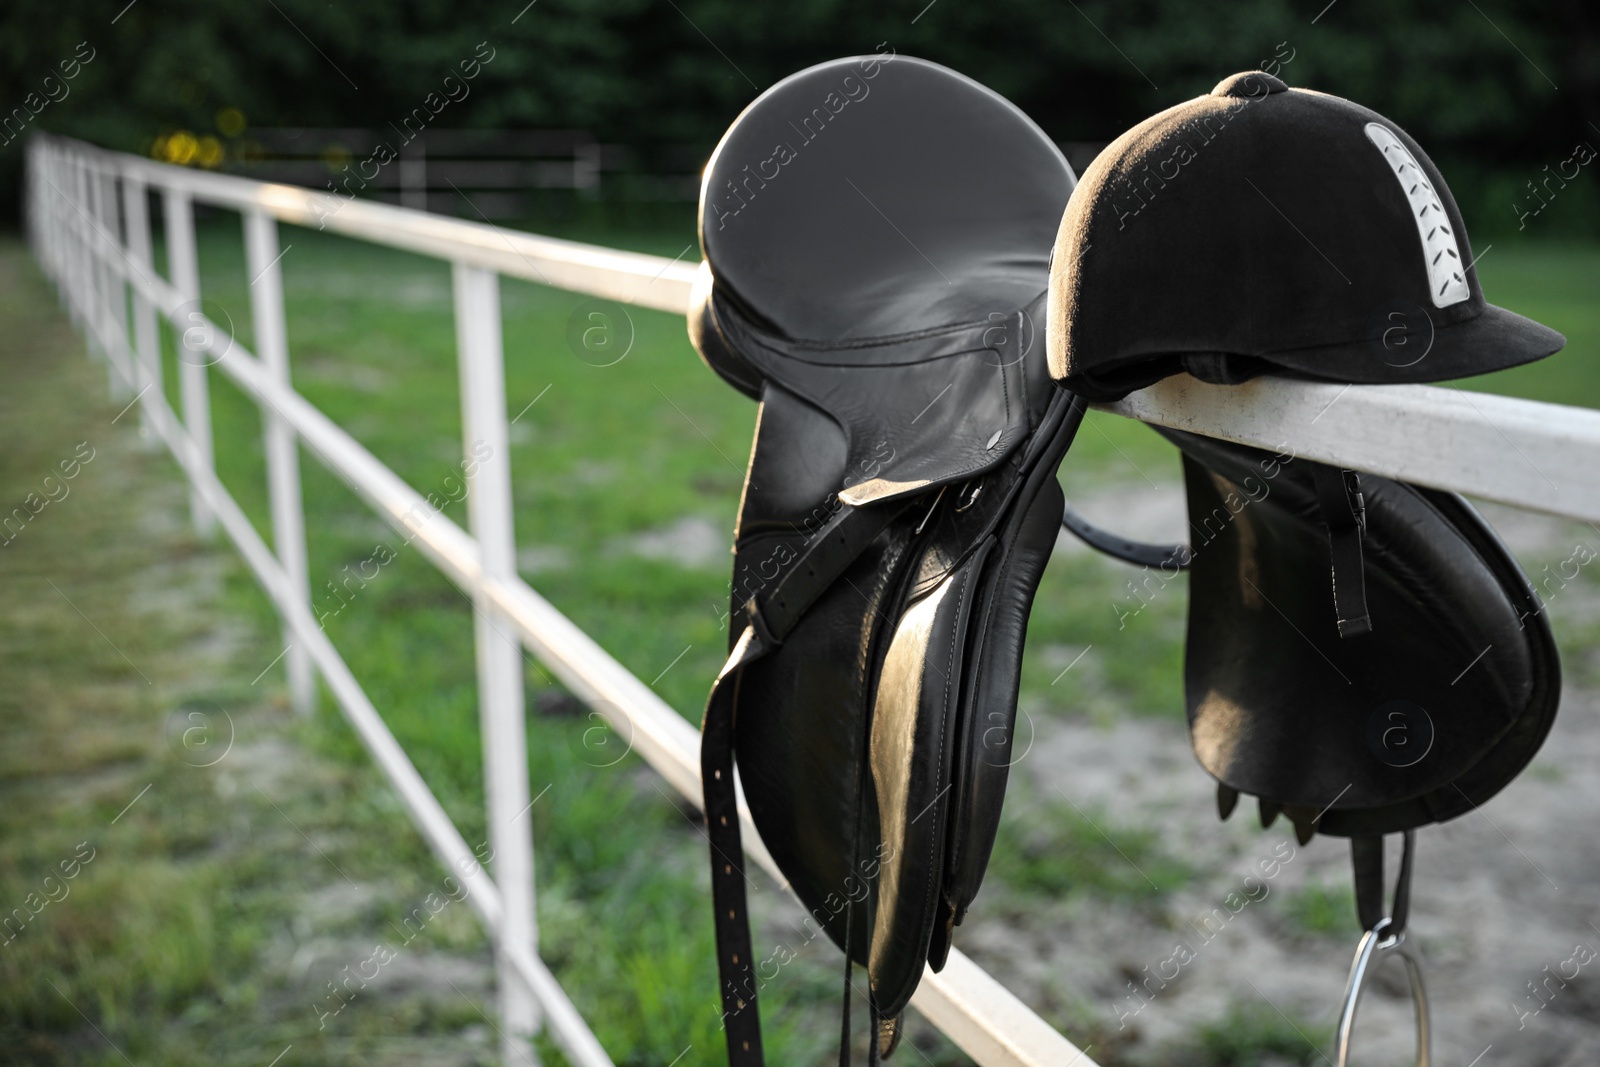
(180, 148)
(230, 122)
(210, 152)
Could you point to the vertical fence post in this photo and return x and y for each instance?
(93, 295)
(61, 179)
(83, 269)
(500, 694)
(193, 357)
(72, 238)
(59, 176)
(115, 288)
(146, 338)
(88, 279)
(282, 449)
(100, 309)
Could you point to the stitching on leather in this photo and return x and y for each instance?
(761, 342)
(935, 870)
(1022, 375)
(771, 341)
(1005, 392)
(999, 569)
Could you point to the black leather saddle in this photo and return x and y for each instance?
(877, 235)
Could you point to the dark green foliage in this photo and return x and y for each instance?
(1495, 91)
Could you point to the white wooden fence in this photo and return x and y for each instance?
(87, 214)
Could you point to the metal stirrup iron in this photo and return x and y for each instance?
(1384, 934)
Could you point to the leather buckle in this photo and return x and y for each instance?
(1358, 501)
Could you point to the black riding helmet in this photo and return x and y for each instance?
(1262, 229)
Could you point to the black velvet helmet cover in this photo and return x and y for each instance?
(1267, 229)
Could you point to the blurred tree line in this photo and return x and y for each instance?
(1494, 90)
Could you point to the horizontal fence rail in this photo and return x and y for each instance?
(1518, 452)
(97, 251)
(627, 277)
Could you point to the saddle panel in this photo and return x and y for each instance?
(914, 728)
(1381, 732)
(984, 748)
(1527, 733)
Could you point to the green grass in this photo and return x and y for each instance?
(1323, 909)
(607, 453)
(1059, 851)
(155, 892)
(1250, 1033)
(1558, 285)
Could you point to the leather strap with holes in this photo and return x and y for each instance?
(736, 972)
(825, 558)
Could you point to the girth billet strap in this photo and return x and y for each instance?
(1366, 858)
(835, 547)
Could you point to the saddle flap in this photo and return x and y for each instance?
(1432, 712)
(971, 422)
(918, 411)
